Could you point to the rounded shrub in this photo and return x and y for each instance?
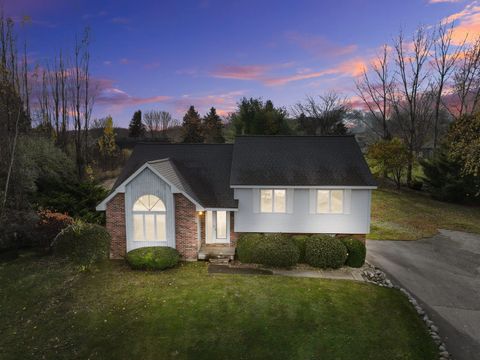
(247, 247)
(82, 243)
(277, 250)
(325, 252)
(356, 252)
(153, 258)
(300, 241)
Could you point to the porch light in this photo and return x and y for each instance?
(200, 213)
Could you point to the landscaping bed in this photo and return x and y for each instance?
(50, 310)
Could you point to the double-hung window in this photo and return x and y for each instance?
(273, 200)
(329, 201)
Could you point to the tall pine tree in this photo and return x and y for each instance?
(136, 129)
(192, 127)
(212, 128)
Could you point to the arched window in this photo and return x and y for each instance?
(149, 219)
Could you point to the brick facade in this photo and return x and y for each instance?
(186, 227)
(115, 224)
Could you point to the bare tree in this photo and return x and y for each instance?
(63, 101)
(82, 99)
(157, 121)
(374, 91)
(322, 115)
(444, 59)
(467, 80)
(411, 100)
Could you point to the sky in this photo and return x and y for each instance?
(168, 55)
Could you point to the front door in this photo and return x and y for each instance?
(217, 227)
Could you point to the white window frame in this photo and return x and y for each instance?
(272, 211)
(330, 201)
(155, 214)
(213, 238)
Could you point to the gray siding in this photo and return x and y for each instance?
(147, 183)
(300, 218)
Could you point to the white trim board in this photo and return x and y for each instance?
(302, 187)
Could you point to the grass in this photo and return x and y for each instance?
(400, 215)
(51, 311)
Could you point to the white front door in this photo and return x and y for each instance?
(217, 227)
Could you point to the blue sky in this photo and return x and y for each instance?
(170, 54)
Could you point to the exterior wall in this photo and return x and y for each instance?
(115, 224)
(299, 219)
(147, 183)
(186, 227)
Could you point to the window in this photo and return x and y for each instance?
(149, 219)
(273, 201)
(329, 201)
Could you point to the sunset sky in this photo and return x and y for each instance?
(170, 54)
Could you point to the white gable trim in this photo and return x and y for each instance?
(121, 188)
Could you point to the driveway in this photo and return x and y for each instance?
(443, 273)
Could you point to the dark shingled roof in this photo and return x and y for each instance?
(206, 171)
(299, 161)
(205, 167)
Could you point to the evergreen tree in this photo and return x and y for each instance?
(192, 127)
(445, 180)
(212, 127)
(136, 129)
(258, 118)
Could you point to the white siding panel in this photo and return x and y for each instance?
(303, 219)
(347, 201)
(144, 184)
(312, 201)
(256, 200)
(290, 200)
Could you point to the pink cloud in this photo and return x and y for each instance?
(109, 95)
(224, 103)
(240, 72)
(467, 23)
(353, 68)
(319, 45)
(443, 1)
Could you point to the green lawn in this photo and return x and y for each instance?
(49, 311)
(398, 215)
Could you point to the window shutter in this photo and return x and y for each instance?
(347, 201)
(290, 194)
(256, 200)
(312, 201)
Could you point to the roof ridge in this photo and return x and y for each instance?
(159, 160)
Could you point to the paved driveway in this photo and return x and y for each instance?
(443, 272)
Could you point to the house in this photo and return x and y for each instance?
(198, 198)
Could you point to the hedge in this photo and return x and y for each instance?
(82, 243)
(356, 252)
(300, 241)
(325, 252)
(277, 250)
(247, 244)
(153, 258)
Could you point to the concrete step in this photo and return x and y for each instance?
(219, 260)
